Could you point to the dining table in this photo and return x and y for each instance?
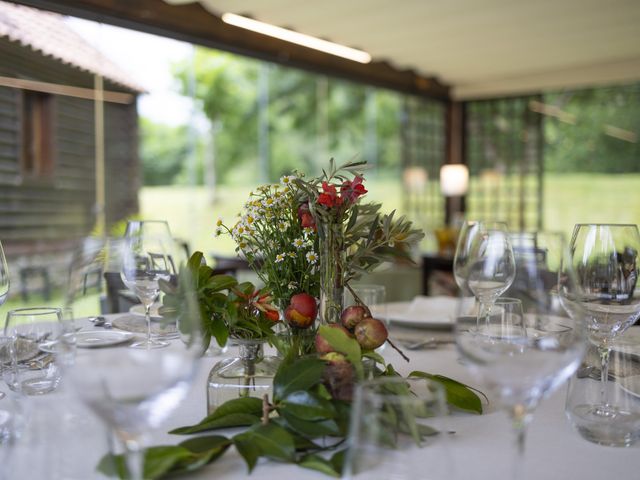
(61, 438)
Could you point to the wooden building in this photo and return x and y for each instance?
(48, 136)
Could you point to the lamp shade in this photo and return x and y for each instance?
(454, 180)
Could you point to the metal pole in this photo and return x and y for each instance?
(100, 204)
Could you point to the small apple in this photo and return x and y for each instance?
(322, 346)
(353, 315)
(301, 311)
(338, 376)
(371, 333)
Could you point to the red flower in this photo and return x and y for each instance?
(305, 217)
(351, 190)
(329, 198)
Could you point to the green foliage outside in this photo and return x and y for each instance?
(596, 130)
(308, 119)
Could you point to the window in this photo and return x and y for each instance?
(37, 134)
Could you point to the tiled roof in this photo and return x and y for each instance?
(47, 33)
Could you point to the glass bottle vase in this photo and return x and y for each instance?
(250, 374)
(332, 261)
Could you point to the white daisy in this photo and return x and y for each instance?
(298, 242)
(280, 257)
(287, 179)
(312, 258)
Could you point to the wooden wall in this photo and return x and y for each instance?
(46, 214)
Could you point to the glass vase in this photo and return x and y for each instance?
(332, 260)
(250, 374)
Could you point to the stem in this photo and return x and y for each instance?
(604, 352)
(520, 419)
(398, 350)
(266, 409)
(147, 317)
(135, 459)
(485, 312)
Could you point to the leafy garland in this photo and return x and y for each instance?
(287, 427)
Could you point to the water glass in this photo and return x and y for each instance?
(399, 430)
(41, 345)
(621, 426)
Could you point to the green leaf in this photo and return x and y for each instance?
(160, 460)
(239, 412)
(222, 282)
(307, 406)
(458, 394)
(337, 460)
(319, 464)
(269, 440)
(195, 261)
(344, 344)
(374, 356)
(300, 375)
(113, 466)
(205, 444)
(247, 450)
(308, 428)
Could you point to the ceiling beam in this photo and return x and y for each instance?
(192, 23)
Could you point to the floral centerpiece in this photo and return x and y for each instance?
(309, 237)
(304, 238)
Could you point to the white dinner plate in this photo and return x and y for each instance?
(422, 312)
(101, 338)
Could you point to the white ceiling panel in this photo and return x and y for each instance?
(479, 47)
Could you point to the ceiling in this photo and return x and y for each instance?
(481, 48)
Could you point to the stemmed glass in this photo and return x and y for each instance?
(135, 390)
(484, 263)
(522, 361)
(146, 260)
(154, 228)
(461, 257)
(4, 277)
(605, 258)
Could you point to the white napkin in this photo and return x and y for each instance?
(440, 306)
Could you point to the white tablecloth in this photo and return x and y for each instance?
(64, 440)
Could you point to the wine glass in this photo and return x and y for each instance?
(4, 277)
(461, 257)
(391, 418)
(523, 358)
(485, 263)
(135, 390)
(146, 260)
(155, 228)
(605, 258)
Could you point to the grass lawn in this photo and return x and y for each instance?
(568, 199)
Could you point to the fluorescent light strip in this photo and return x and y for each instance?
(298, 38)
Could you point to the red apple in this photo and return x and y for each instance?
(322, 346)
(301, 311)
(353, 315)
(371, 333)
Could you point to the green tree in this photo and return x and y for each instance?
(164, 150)
(595, 130)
